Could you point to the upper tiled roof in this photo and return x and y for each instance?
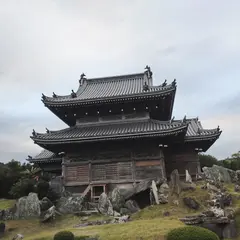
(112, 88)
(43, 156)
(107, 131)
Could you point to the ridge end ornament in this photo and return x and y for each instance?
(148, 72)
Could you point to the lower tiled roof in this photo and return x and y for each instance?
(192, 129)
(103, 131)
(44, 155)
(196, 131)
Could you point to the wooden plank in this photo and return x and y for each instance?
(125, 170)
(148, 163)
(144, 172)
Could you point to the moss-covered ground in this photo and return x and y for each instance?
(6, 203)
(147, 224)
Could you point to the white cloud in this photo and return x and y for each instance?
(45, 46)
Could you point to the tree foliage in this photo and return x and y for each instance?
(232, 162)
(207, 160)
(10, 174)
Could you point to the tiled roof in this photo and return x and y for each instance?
(117, 130)
(128, 129)
(112, 88)
(43, 156)
(196, 131)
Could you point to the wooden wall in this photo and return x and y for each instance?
(181, 159)
(127, 171)
(128, 164)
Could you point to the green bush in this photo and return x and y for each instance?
(64, 235)
(52, 195)
(42, 189)
(191, 233)
(22, 188)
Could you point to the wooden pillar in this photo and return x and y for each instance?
(63, 167)
(90, 172)
(198, 168)
(133, 167)
(162, 159)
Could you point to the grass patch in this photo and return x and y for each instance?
(6, 203)
(147, 229)
(147, 224)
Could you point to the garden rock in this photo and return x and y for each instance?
(164, 188)
(18, 237)
(237, 188)
(188, 177)
(70, 205)
(188, 186)
(50, 214)
(124, 211)
(27, 207)
(229, 213)
(117, 199)
(218, 212)
(219, 173)
(132, 206)
(191, 203)
(175, 182)
(104, 205)
(163, 199)
(45, 204)
(163, 193)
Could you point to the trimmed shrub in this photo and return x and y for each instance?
(64, 235)
(191, 233)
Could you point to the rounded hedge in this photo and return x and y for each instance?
(191, 233)
(64, 235)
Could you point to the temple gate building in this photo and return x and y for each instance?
(120, 131)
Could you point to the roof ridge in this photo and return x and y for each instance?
(114, 77)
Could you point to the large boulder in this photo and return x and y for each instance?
(141, 187)
(28, 207)
(104, 205)
(117, 199)
(68, 205)
(219, 173)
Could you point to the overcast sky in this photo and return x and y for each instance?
(46, 45)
